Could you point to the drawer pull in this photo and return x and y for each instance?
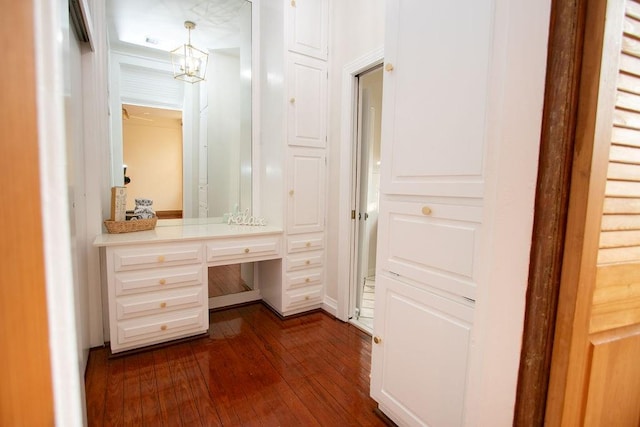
(160, 258)
(163, 327)
(306, 297)
(246, 250)
(307, 280)
(291, 192)
(308, 244)
(426, 210)
(292, 100)
(307, 262)
(163, 282)
(163, 305)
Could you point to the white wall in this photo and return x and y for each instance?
(356, 28)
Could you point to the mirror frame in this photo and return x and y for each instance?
(118, 58)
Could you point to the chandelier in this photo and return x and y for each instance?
(189, 63)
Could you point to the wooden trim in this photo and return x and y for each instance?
(570, 360)
(170, 214)
(564, 60)
(26, 396)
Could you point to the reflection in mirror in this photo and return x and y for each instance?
(230, 279)
(152, 153)
(217, 126)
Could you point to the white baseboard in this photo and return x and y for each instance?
(330, 305)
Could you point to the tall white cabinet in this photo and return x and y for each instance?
(433, 144)
(297, 284)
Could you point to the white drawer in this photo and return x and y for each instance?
(303, 278)
(160, 302)
(131, 282)
(248, 249)
(435, 244)
(156, 256)
(305, 260)
(305, 242)
(302, 299)
(153, 329)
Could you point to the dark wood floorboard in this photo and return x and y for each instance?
(253, 369)
(225, 280)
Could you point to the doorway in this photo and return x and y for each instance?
(366, 189)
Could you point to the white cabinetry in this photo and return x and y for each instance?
(306, 190)
(297, 284)
(307, 27)
(307, 96)
(157, 283)
(156, 293)
(433, 142)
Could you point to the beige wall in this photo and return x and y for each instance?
(153, 155)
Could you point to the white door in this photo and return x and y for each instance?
(307, 96)
(433, 141)
(420, 364)
(367, 189)
(306, 190)
(307, 27)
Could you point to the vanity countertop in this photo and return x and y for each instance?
(181, 232)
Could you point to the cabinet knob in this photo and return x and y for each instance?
(377, 340)
(426, 210)
(163, 327)
(163, 282)
(307, 262)
(160, 258)
(306, 297)
(292, 100)
(307, 280)
(293, 3)
(163, 305)
(308, 244)
(291, 192)
(388, 66)
(246, 250)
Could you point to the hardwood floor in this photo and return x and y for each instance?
(254, 369)
(225, 280)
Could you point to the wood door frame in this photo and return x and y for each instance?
(26, 391)
(564, 62)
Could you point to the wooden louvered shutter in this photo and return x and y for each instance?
(595, 373)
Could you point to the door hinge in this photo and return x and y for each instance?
(353, 214)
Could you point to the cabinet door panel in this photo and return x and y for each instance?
(307, 26)
(433, 135)
(434, 244)
(307, 109)
(305, 213)
(419, 367)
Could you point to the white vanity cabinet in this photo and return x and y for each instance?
(156, 293)
(156, 280)
(297, 284)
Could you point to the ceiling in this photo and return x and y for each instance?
(159, 24)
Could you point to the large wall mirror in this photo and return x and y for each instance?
(186, 146)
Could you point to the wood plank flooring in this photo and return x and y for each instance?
(225, 280)
(253, 369)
